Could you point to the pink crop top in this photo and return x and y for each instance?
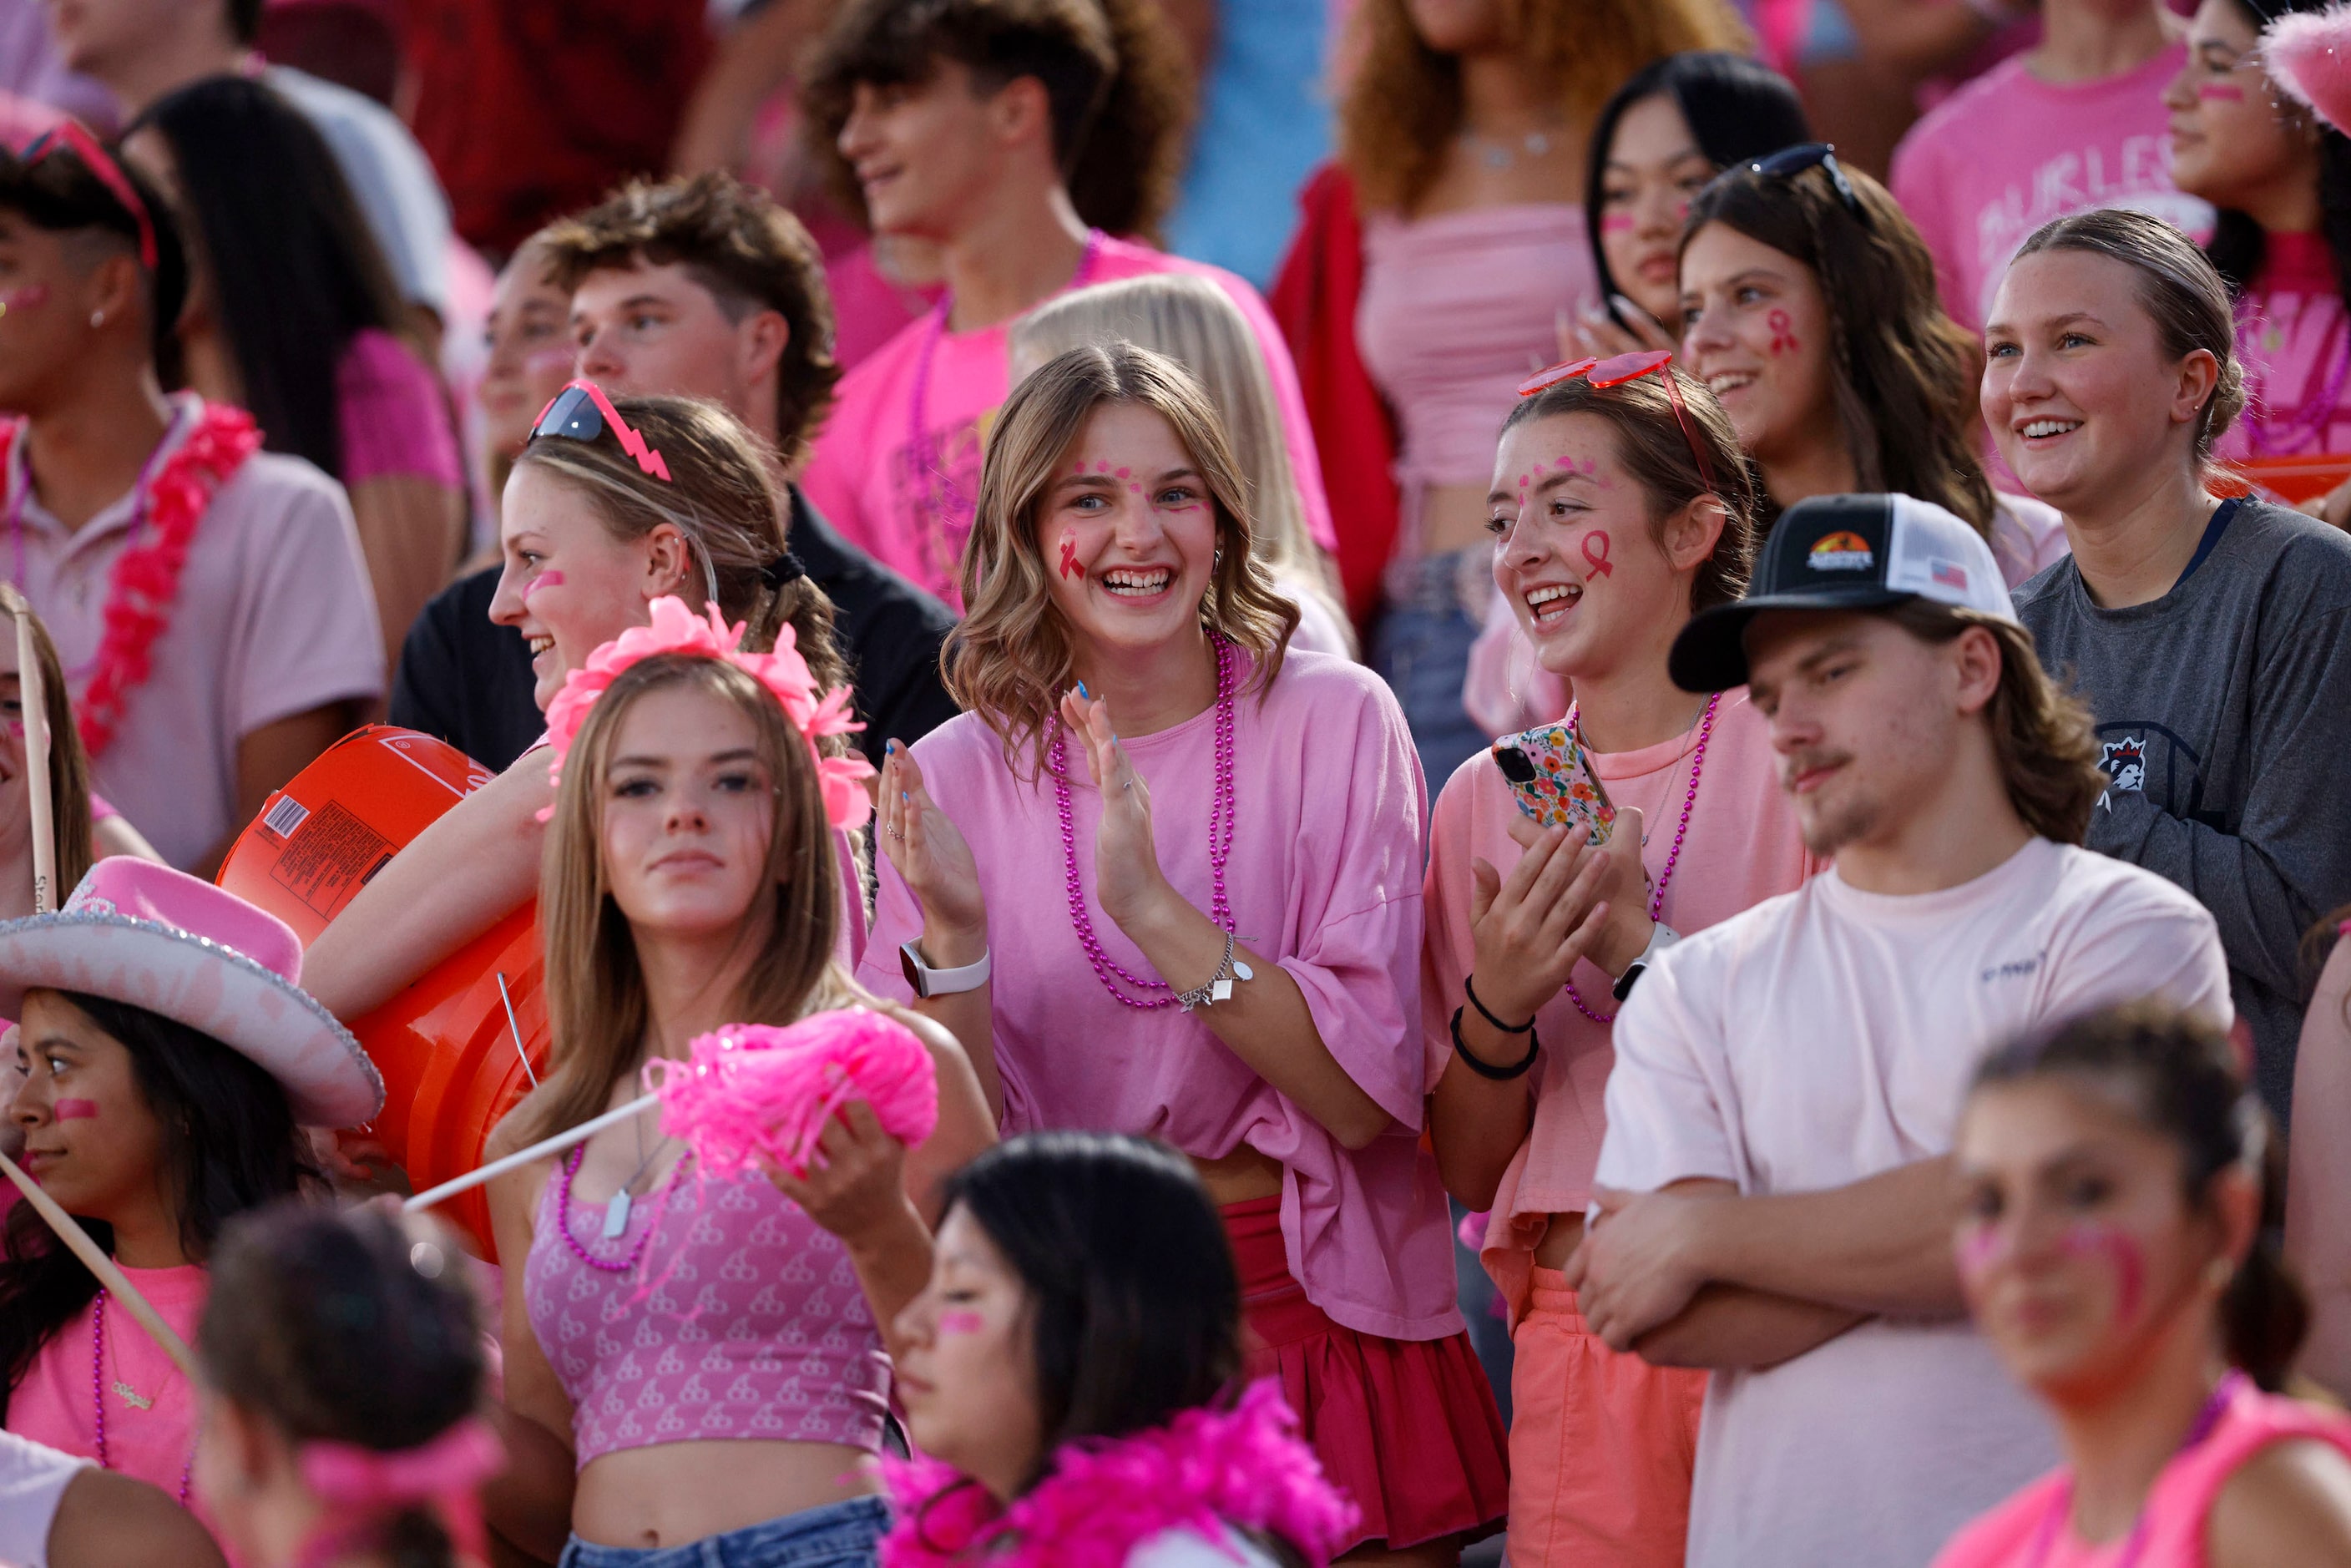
(743, 1320)
(1457, 310)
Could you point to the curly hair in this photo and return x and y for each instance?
(1902, 374)
(1402, 109)
(1120, 91)
(1011, 657)
(735, 241)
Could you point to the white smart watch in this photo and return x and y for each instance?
(929, 982)
(1661, 936)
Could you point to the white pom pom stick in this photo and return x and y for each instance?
(78, 1242)
(538, 1151)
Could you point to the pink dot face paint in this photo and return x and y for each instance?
(76, 1111)
(1784, 332)
(961, 1321)
(1595, 553)
(1071, 565)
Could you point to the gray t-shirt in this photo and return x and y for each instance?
(2224, 720)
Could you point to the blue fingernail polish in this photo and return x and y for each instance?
(907, 797)
(1084, 693)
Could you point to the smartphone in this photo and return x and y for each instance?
(1551, 773)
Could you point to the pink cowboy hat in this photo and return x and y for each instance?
(143, 933)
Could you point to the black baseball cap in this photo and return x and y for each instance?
(1844, 552)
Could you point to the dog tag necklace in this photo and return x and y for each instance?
(616, 1212)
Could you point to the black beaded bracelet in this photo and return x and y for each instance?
(1468, 984)
(1484, 1070)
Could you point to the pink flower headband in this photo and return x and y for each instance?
(677, 630)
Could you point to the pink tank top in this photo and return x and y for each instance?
(742, 1319)
(2032, 1529)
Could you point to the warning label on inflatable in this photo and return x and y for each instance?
(328, 858)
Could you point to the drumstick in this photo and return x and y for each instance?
(538, 1151)
(78, 1242)
(33, 695)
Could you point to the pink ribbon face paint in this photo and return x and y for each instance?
(1595, 553)
(961, 1321)
(76, 1111)
(1071, 565)
(1784, 332)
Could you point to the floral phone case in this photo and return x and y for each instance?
(1549, 772)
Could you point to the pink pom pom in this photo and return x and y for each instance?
(2308, 55)
(750, 1095)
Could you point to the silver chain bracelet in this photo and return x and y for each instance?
(1219, 987)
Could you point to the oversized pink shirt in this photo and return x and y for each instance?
(151, 1440)
(1743, 847)
(2295, 340)
(1323, 877)
(914, 518)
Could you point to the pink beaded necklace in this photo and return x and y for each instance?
(97, 1397)
(2292, 431)
(1681, 832)
(1220, 848)
(570, 1168)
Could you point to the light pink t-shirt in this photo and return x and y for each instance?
(2009, 151)
(274, 617)
(2295, 340)
(859, 477)
(1742, 847)
(1829, 1035)
(1323, 877)
(2034, 1529)
(152, 1441)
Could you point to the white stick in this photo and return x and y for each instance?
(538, 1151)
(33, 695)
(78, 1240)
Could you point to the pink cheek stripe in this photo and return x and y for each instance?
(76, 1111)
(1617, 224)
(2123, 1253)
(543, 580)
(1977, 1249)
(2220, 92)
(961, 1322)
(26, 298)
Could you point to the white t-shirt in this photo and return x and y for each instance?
(1187, 1548)
(1825, 1036)
(33, 1481)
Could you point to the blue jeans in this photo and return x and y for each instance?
(838, 1535)
(1421, 648)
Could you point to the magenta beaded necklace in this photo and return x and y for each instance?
(1681, 832)
(1220, 843)
(570, 1168)
(97, 1397)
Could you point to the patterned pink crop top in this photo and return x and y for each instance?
(744, 1320)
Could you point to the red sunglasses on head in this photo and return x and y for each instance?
(71, 136)
(581, 411)
(1615, 371)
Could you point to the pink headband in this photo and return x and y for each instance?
(677, 630)
(70, 134)
(445, 1473)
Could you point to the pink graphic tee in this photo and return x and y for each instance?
(2295, 341)
(2009, 151)
(909, 503)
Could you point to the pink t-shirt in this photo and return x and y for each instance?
(150, 1435)
(1323, 877)
(2009, 151)
(2294, 340)
(2032, 1529)
(273, 618)
(860, 476)
(395, 418)
(1743, 847)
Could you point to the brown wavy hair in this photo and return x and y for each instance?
(1011, 656)
(1402, 109)
(1114, 74)
(595, 988)
(69, 811)
(1650, 442)
(1904, 375)
(2043, 735)
(735, 241)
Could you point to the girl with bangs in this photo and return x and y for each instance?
(695, 1380)
(1232, 969)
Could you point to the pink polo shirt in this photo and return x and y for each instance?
(915, 517)
(2294, 340)
(1323, 877)
(1743, 847)
(274, 617)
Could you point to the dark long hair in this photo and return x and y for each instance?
(229, 1144)
(1737, 108)
(346, 1327)
(2239, 246)
(1904, 373)
(2182, 1083)
(60, 195)
(1135, 1305)
(294, 270)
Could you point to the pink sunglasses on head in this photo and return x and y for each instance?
(581, 411)
(71, 136)
(1616, 371)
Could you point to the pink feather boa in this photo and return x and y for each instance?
(1245, 1467)
(749, 1096)
(2308, 54)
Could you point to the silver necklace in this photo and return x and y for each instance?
(616, 1212)
(1503, 154)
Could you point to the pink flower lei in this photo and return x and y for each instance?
(144, 585)
(1205, 1469)
(675, 629)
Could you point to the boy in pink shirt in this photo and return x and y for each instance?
(1601, 1442)
(2076, 122)
(968, 147)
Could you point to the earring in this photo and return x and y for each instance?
(1216, 559)
(2220, 1273)
(98, 319)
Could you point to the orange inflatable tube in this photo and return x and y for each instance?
(466, 1039)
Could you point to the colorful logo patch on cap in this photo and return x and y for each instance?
(1841, 551)
(1949, 574)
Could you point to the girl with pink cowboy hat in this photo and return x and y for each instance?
(170, 1059)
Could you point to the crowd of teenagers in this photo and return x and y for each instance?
(1574, 836)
